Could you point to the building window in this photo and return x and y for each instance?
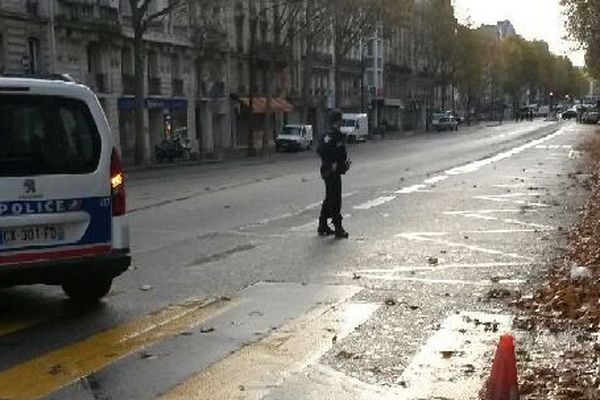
(33, 46)
(127, 61)
(370, 49)
(370, 78)
(153, 68)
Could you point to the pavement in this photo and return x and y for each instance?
(232, 295)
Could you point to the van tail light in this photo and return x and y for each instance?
(117, 185)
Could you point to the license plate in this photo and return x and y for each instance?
(31, 235)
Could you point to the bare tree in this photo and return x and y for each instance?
(311, 27)
(141, 20)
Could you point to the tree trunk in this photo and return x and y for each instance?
(337, 79)
(268, 131)
(141, 156)
(306, 75)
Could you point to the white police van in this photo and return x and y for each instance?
(62, 199)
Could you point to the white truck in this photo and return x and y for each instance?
(355, 127)
(295, 137)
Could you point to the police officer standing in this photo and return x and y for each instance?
(334, 164)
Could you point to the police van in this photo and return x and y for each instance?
(62, 197)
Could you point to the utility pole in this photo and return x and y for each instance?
(52, 38)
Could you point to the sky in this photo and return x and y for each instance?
(532, 19)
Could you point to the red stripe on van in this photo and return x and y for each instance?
(51, 255)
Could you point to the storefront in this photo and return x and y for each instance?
(165, 118)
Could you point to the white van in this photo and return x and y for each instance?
(62, 199)
(295, 137)
(355, 127)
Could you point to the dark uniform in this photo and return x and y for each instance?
(334, 163)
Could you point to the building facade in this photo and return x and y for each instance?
(211, 72)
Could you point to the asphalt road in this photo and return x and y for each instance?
(233, 296)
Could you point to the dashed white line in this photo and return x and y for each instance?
(411, 189)
(375, 203)
(447, 243)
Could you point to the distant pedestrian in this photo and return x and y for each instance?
(334, 164)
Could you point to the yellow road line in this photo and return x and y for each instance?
(256, 369)
(15, 326)
(59, 368)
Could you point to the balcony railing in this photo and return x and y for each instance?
(321, 59)
(351, 63)
(154, 86)
(128, 84)
(88, 14)
(215, 89)
(177, 85)
(32, 8)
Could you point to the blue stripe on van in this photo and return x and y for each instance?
(98, 208)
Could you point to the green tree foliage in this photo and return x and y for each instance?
(583, 23)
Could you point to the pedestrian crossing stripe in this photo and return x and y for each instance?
(254, 370)
(52, 371)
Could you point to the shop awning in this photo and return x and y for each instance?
(276, 104)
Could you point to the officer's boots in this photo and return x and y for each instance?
(340, 233)
(324, 229)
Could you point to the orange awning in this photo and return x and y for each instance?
(275, 104)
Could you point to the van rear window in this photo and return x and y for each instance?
(45, 135)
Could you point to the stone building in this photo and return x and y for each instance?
(197, 69)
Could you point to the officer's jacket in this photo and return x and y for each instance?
(332, 151)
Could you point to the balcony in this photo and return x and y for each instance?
(398, 69)
(214, 89)
(321, 59)
(213, 38)
(268, 51)
(90, 16)
(154, 86)
(32, 8)
(177, 85)
(349, 63)
(128, 84)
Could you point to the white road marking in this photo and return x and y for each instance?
(426, 238)
(375, 203)
(482, 283)
(504, 200)
(476, 165)
(477, 215)
(436, 179)
(491, 211)
(411, 189)
(409, 268)
(464, 169)
(290, 215)
(453, 363)
(501, 231)
(311, 226)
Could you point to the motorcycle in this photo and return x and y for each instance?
(172, 149)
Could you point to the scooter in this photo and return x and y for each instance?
(172, 149)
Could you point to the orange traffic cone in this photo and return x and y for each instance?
(502, 383)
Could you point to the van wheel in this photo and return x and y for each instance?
(87, 290)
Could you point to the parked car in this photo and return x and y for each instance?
(591, 117)
(62, 196)
(444, 122)
(569, 113)
(295, 137)
(355, 127)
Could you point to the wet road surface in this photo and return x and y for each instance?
(233, 296)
